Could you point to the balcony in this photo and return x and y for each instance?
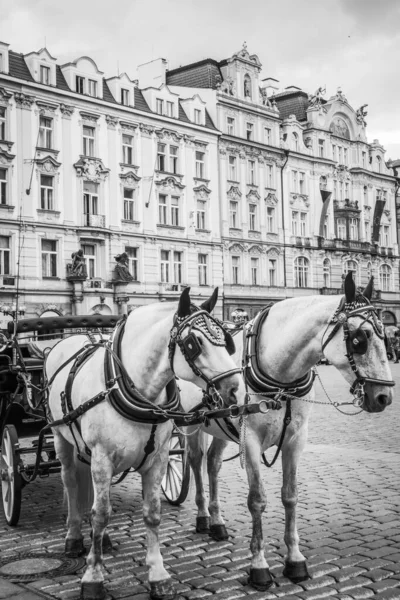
(94, 220)
(346, 204)
(171, 288)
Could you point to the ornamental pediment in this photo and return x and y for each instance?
(202, 191)
(253, 195)
(234, 192)
(170, 183)
(130, 178)
(5, 156)
(4, 96)
(91, 169)
(47, 164)
(168, 135)
(271, 199)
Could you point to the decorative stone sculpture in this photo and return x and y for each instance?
(360, 114)
(77, 269)
(121, 270)
(315, 99)
(228, 86)
(265, 101)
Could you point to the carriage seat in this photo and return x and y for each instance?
(47, 324)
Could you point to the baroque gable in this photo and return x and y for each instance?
(234, 192)
(91, 169)
(170, 184)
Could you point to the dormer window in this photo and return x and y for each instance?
(45, 132)
(44, 75)
(170, 109)
(124, 97)
(80, 84)
(159, 106)
(197, 116)
(92, 88)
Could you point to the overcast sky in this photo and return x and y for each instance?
(354, 44)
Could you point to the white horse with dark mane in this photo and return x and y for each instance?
(278, 361)
(111, 407)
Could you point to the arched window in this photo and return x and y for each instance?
(351, 265)
(247, 86)
(327, 272)
(301, 272)
(385, 275)
(379, 164)
(369, 270)
(295, 141)
(323, 182)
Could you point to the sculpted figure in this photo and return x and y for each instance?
(360, 114)
(315, 99)
(78, 266)
(121, 270)
(264, 98)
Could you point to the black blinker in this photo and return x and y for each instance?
(359, 341)
(230, 344)
(191, 346)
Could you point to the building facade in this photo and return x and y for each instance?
(115, 192)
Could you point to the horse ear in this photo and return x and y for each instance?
(184, 304)
(209, 304)
(368, 290)
(349, 288)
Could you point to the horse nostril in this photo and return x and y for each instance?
(384, 400)
(232, 395)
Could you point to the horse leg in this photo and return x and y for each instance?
(295, 563)
(197, 453)
(102, 471)
(161, 584)
(260, 576)
(66, 454)
(214, 462)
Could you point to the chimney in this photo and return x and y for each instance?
(152, 74)
(271, 85)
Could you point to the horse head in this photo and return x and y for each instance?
(201, 351)
(360, 354)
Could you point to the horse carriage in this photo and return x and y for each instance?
(27, 443)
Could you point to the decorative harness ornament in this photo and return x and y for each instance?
(357, 340)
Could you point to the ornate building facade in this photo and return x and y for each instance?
(115, 192)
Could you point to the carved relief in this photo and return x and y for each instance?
(67, 110)
(111, 121)
(48, 165)
(228, 86)
(234, 192)
(253, 196)
(170, 183)
(361, 113)
(167, 134)
(6, 157)
(4, 96)
(89, 117)
(146, 129)
(339, 127)
(91, 169)
(128, 127)
(46, 110)
(24, 100)
(315, 100)
(271, 199)
(130, 178)
(202, 192)
(273, 252)
(255, 250)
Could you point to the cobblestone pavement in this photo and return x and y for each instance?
(349, 522)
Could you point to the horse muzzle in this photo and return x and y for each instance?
(376, 401)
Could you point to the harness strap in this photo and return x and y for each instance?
(286, 422)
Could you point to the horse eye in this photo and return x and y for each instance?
(368, 333)
(199, 339)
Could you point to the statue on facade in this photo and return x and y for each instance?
(340, 96)
(228, 86)
(247, 87)
(121, 270)
(360, 114)
(78, 266)
(315, 98)
(265, 101)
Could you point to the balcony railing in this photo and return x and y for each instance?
(94, 220)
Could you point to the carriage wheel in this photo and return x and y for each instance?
(11, 480)
(175, 485)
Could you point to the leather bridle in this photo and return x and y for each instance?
(357, 341)
(202, 321)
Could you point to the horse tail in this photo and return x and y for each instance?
(84, 485)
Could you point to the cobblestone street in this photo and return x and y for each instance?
(349, 521)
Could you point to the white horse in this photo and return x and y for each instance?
(158, 341)
(295, 336)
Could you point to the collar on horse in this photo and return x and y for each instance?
(357, 340)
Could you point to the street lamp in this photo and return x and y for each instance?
(12, 310)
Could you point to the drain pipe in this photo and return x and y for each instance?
(283, 218)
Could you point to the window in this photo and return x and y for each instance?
(173, 159)
(340, 154)
(2, 123)
(267, 135)
(385, 273)
(4, 255)
(251, 172)
(202, 265)
(270, 176)
(303, 224)
(177, 258)
(45, 132)
(88, 141)
(299, 223)
(129, 205)
(333, 152)
(200, 171)
(46, 192)
(124, 97)
(235, 269)
(379, 164)
(127, 149)
(326, 227)
(232, 168)
(335, 189)
(353, 229)
(295, 222)
(321, 151)
(340, 190)
(201, 214)
(230, 124)
(164, 266)
(49, 258)
(254, 265)
(345, 156)
(197, 116)
(3, 186)
(295, 141)
(159, 106)
(80, 84)
(174, 211)
(301, 272)
(302, 183)
(90, 201)
(233, 214)
(161, 157)
(270, 219)
(44, 75)
(346, 190)
(92, 88)
(384, 236)
(341, 228)
(294, 181)
(167, 156)
(364, 159)
(89, 254)
(133, 261)
(253, 217)
(367, 231)
(162, 209)
(272, 271)
(249, 131)
(326, 272)
(170, 109)
(351, 266)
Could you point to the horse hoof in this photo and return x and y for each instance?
(218, 533)
(92, 590)
(74, 548)
(107, 545)
(296, 571)
(162, 590)
(260, 579)
(203, 525)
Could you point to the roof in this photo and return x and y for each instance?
(18, 67)
(292, 102)
(202, 74)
